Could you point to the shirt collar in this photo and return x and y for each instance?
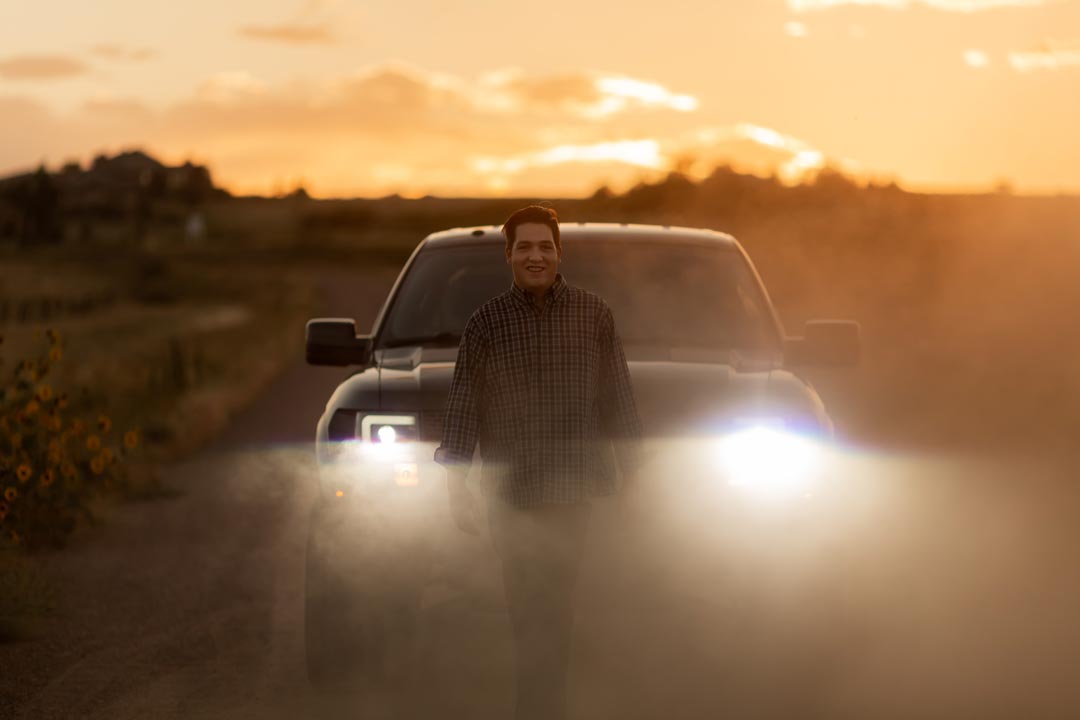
(556, 291)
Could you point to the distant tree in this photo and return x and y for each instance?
(603, 193)
(39, 201)
(196, 187)
(151, 188)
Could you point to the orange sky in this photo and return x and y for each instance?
(553, 99)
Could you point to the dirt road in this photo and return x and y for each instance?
(911, 587)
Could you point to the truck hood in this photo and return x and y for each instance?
(677, 392)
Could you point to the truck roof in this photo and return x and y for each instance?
(586, 231)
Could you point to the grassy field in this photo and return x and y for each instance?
(183, 340)
(171, 344)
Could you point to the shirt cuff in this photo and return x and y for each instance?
(451, 458)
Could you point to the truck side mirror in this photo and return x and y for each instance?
(825, 342)
(333, 341)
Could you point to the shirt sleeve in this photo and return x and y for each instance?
(619, 419)
(461, 421)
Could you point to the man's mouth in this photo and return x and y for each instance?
(534, 268)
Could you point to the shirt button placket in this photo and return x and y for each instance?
(538, 394)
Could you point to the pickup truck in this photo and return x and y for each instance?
(715, 378)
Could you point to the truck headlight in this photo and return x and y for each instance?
(386, 428)
(767, 459)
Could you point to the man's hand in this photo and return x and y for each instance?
(462, 504)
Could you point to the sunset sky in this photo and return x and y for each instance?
(489, 97)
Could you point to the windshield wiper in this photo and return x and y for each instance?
(443, 339)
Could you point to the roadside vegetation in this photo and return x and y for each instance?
(53, 462)
(115, 360)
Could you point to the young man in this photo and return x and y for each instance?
(541, 383)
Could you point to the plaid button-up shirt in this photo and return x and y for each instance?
(546, 393)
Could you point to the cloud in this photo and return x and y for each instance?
(1049, 56)
(122, 53)
(398, 128)
(959, 6)
(291, 34)
(620, 92)
(584, 94)
(795, 29)
(639, 153)
(41, 67)
(230, 86)
(746, 147)
(976, 59)
(753, 149)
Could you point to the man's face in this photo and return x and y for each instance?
(534, 259)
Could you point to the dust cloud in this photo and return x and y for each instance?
(932, 575)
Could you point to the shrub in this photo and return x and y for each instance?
(53, 462)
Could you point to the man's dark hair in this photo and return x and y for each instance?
(531, 214)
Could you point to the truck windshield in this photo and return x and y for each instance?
(661, 294)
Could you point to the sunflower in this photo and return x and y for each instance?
(78, 427)
(54, 423)
(62, 401)
(16, 439)
(68, 470)
(47, 478)
(54, 456)
(104, 424)
(5, 424)
(55, 353)
(53, 335)
(24, 472)
(106, 455)
(93, 443)
(32, 407)
(97, 465)
(3, 510)
(44, 393)
(10, 494)
(15, 537)
(131, 439)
